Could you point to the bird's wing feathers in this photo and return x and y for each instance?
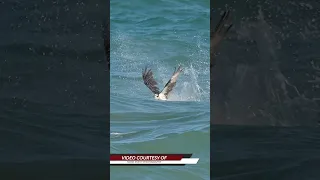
(149, 81)
(220, 32)
(172, 82)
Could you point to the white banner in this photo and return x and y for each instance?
(182, 161)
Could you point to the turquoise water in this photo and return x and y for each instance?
(161, 35)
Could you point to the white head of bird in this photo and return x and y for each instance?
(160, 97)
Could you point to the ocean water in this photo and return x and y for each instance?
(53, 90)
(240, 153)
(160, 35)
(272, 75)
(269, 91)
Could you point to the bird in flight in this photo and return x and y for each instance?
(150, 82)
(219, 33)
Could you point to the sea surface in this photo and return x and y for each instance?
(53, 90)
(160, 35)
(270, 91)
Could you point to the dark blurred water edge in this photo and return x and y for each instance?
(271, 79)
(54, 90)
(265, 153)
(272, 75)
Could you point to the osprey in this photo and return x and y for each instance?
(150, 82)
(221, 30)
(218, 81)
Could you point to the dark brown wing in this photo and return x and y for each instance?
(220, 32)
(149, 81)
(172, 82)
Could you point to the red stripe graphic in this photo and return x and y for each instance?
(145, 157)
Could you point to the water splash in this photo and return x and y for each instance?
(263, 87)
(128, 60)
(189, 89)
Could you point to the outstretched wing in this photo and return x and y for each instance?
(149, 81)
(220, 32)
(172, 82)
